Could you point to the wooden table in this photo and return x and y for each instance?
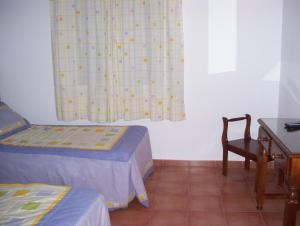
(285, 148)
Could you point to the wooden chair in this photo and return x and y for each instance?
(246, 147)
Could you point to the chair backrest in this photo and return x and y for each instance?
(247, 135)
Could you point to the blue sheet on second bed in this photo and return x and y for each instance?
(48, 205)
(78, 207)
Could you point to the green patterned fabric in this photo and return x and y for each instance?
(27, 204)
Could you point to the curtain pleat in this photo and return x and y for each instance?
(118, 59)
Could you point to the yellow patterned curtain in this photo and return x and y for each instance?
(118, 59)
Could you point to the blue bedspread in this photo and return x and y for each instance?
(121, 151)
(71, 208)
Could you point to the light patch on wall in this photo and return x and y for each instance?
(273, 74)
(222, 36)
(291, 88)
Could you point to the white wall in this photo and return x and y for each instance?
(248, 84)
(289, 105)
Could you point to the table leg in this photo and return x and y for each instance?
(290, 209)
(261, 178)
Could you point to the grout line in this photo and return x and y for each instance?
(246, 179)
(261, 216)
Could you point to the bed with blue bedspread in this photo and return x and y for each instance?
(48, 205)
(112, 160)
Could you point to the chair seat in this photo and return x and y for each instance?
(244, 148)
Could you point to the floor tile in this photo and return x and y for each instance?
(239, 203)
(195, 193)
(176, 163)
(151, 186)
(181, 169)
(169, 218)
(273, 187)
(273, 205)
(236, 188)
(206, 203)
(174, 176)
(273, 219)
(203, 171)
(298, 219)
(250, 174)
(156, 174)
(203, 178)
(170, 202)
(158, 162)
(245, 219)
(234, 175)
(130, 218)
(207, 219)
(211, 164)
(198, 188)
(171, 188)
(231, 164)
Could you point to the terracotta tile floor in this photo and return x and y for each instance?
(196, 194)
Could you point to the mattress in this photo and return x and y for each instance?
(117, 172)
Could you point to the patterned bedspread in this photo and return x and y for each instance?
(118, 174)
(80, 137)
(27, 204)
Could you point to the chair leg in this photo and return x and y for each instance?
(247, 164)
(225, 161)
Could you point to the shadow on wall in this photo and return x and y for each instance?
(289, 104)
